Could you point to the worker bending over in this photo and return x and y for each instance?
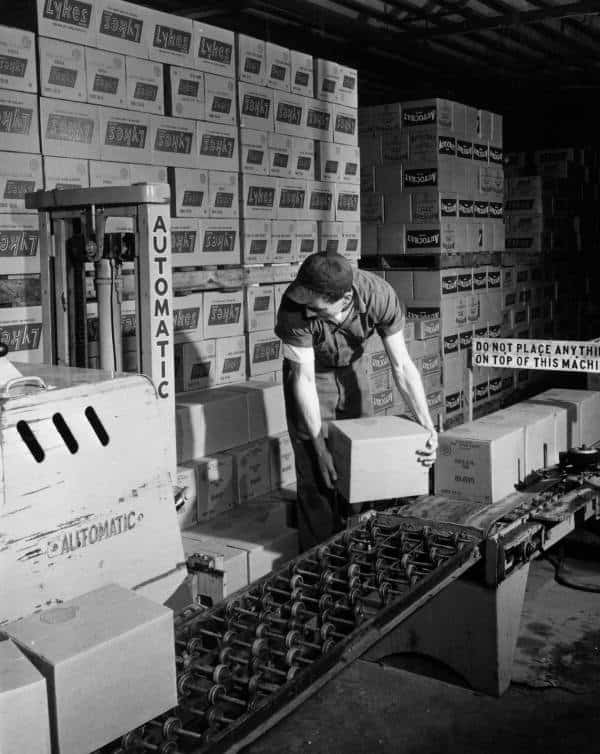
(324, 319)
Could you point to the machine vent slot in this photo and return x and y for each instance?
(65, 433)
(97, 425)
(30, 440)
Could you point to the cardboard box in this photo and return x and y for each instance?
(21, 326)
(62, 70)
(328, 76)
(347, 202)
(231, 359)
(345, 125)
(215, 485)
(266, 410)
(256, 105)
(19, 175)
(185, 242)
(252, 60)
(189, 192)
(264, 352)
(186, 498)
(195, 365)
(19, 125)
(328, 161)
(78, 647)
(321, 204)
(222, 314)
(169, 38)
(17, 60)
(330, 237)
(259, 530)
(219, 94)
(106, 78)
(291, 202)
(210, 421)
(23, 703)
(303, 159)
(282, 241)
(351, 240)
(109, 173)
(260, 307)
(583, 413)
(214, 49)
(479, 462)
(545, 431)
(306, 238)
(290, 112)
(186, 93)
(223, 195)
(120, 27)
(347, 93)
(144, 86)
(252, 470)
(188, 324)
(61, 173)
(254, 151)
(217, 147)
(280, 155)
(256, 241)
(301, 74)
(230, 566)
(219, 241)
(69, 129)
(318, 120)
(71, 22)
(124, 136)
(174, 142)
(258, 197)
(278, 69)
(19, 244)
(364, 448)
(283, 465)
(350, 164)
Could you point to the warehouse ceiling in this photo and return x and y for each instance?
(537, 60)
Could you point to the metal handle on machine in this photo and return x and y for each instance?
(24, 382)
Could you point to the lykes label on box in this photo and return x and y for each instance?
(19, 244)
(319, 117)
(290, 114)
(19, 131)
(345, 126)
(347, 202)
(256, 107)
(124, 136)
(185, 242)
(120, 27)
(169, 38)
(258, 196)
(217, 147)
(71, 21)
(264, 352)
(21, 331)
(187, 317)
(69, 129)
(223, 314)
(174, 142)
(291, 199)
(320, 201)
(214, 49)
(219, 241)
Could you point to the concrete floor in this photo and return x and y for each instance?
(552, 706)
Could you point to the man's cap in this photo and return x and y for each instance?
(324, 274)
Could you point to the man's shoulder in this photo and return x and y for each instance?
(368, 283)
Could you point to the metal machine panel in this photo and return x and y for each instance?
(86, 496)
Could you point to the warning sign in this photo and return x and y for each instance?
(552, 355)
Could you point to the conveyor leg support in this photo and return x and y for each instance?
(470, 627)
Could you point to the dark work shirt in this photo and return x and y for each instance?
(375, 308)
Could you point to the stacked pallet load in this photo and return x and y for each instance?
(20, 172)
(432, 225)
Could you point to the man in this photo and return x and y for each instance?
(324, 319)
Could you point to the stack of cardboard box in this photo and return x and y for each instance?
(20, 172)
(432, 178)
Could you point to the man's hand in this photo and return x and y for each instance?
(325, 461)
(427, 456)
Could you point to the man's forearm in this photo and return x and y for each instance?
(410, 384)
(307, 400)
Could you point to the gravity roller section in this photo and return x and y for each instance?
(247, 662)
